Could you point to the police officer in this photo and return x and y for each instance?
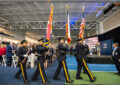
(81, 61)
(62, 48)
(86, 49)
(40, 50)
(22, 53)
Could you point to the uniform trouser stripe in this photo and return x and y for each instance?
(41, 73)
(65, 71)
(83, 69)
(22, 71)
(88, 69)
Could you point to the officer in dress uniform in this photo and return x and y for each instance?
(22, 53)
(62, 48)
(40, 50)
(81, 61)
(116, 56)
(86, 49)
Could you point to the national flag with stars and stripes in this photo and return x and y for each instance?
(82, 26)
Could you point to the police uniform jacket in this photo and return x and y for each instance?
(21, 52)
(40, 49)
(80, 51)
(62, 51)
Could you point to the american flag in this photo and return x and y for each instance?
(82, 26)
(91, 42)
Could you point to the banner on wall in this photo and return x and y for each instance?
(91, 42)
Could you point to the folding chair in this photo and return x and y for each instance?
(4, 60)
(28, 62)
(14, 61)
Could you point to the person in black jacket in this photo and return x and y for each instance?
(62, 48)
(116, 56)
(22, 53)
(40, 50)
(86, 49)
(81, 61)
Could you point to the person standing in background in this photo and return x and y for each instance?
(9, 52)
(17, 47)
(0, 53)
(14, 48)
(116, 56)
(71, 51)
(98, 49)
(33, 50)
(4, 49)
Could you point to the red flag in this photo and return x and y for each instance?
(49, 28)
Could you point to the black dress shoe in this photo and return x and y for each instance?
(118, 74)
(84, 72)
(47, 82)
(17, 77)
(56, 78)
(26, 81)
(34, 79)
(94, 79)
(79, 78)
(71, 81)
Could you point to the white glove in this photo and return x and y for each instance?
(25, 55)
(65, 42)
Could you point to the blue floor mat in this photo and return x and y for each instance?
(7, 75)
(72, 65)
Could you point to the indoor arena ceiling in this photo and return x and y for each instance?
(34, 14)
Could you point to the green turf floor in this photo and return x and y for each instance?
(101, 78)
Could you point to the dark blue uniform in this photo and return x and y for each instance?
(40, 49)
(62, 62)
(81, 62)
(22, 62)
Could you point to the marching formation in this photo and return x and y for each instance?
(40, 51)
(42, 47)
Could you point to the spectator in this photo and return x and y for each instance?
(98, 49)
(33, 50)
(116, 56)
(4, 49)
(9, 52)
(0, 52)
(71, 51)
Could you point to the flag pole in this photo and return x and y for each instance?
(84, 26)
